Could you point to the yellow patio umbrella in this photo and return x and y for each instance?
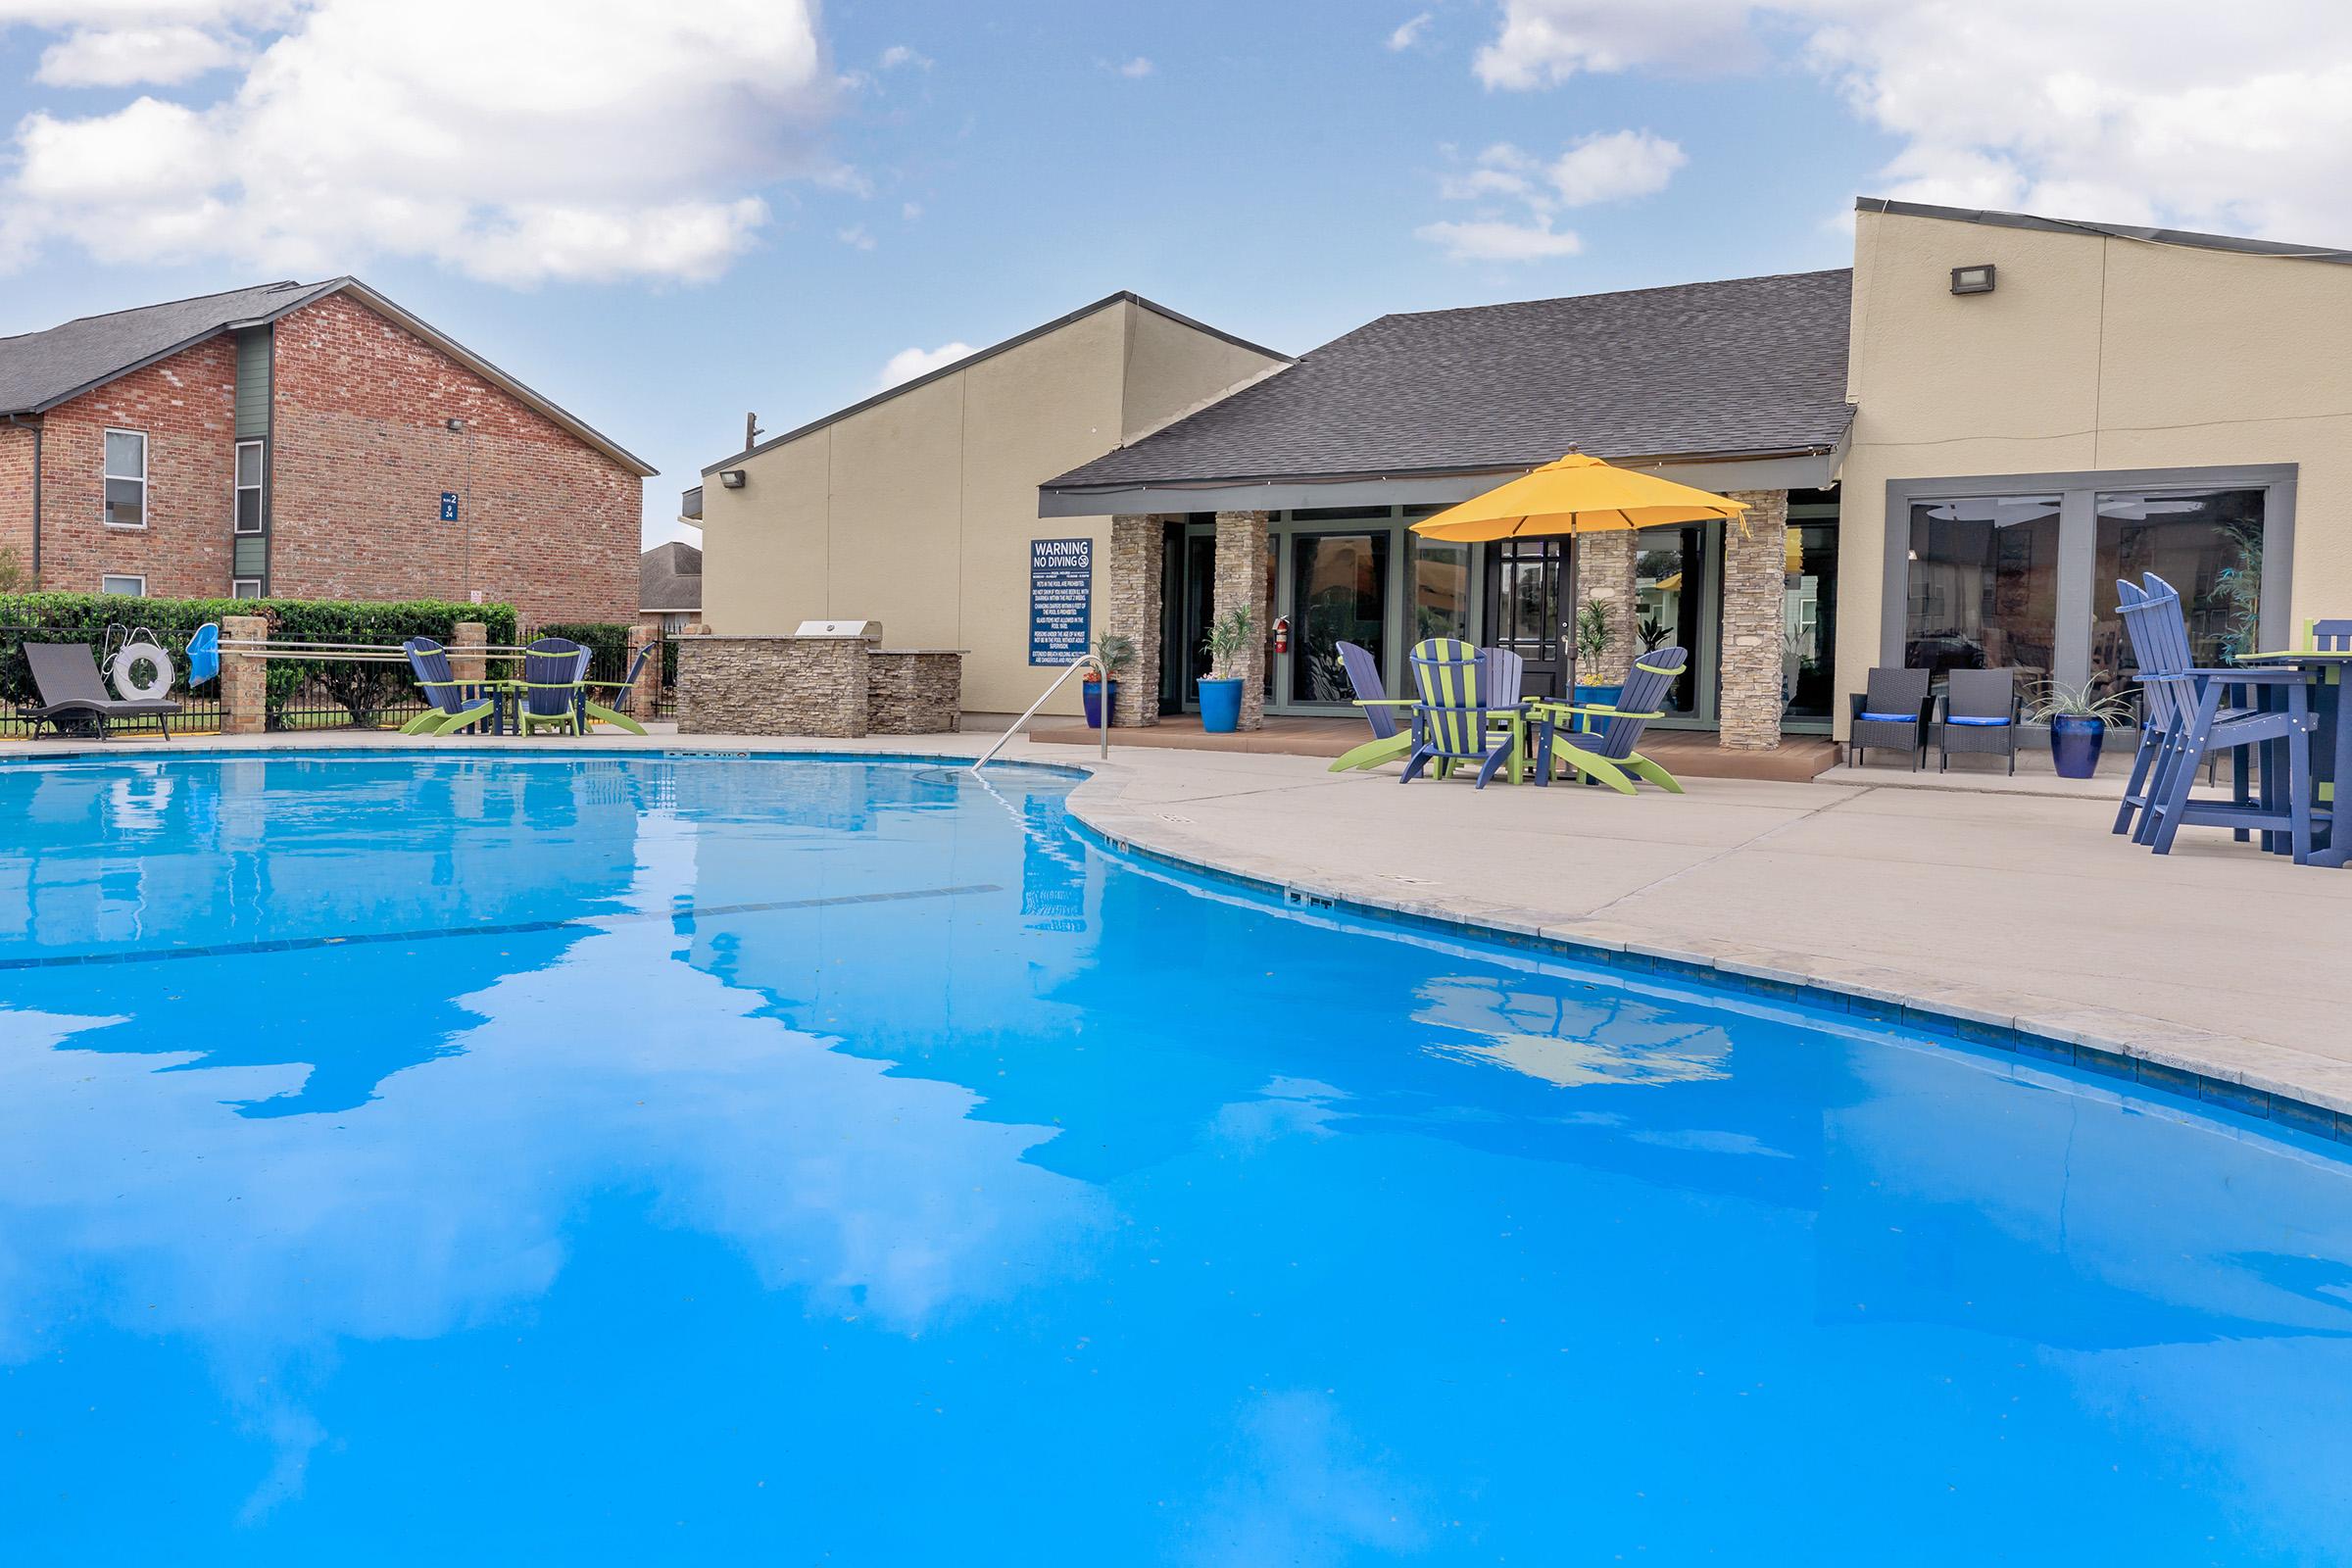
(1576, 495)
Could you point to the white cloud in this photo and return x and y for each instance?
(911, 212)
(1409, 32)
(907, 363)
(1610, 167)
(899, 55)
(2236, 118)
(1138, 66)
(123, 57)
(856, 237)
(1516, 194)
(1495, 241)
(519, 141)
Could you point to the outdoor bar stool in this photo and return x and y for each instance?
(1893, 711)
(1979, 716)
(2188, 706)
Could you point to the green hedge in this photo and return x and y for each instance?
(609, 646)
(362, 689)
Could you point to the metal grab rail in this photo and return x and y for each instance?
(1082, 662)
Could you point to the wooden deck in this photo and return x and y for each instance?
(1687, 753)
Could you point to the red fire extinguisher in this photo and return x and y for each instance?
(1282, 634)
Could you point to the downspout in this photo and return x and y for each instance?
(19, 421)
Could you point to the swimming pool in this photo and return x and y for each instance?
(526, 1158)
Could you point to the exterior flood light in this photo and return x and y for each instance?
(1977, 279)
(731, 478)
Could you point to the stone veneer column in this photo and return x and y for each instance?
(467, 660)
(1604, 572)
(1755, 565)
(244, 678)
(1241, 581)
(1131, 608)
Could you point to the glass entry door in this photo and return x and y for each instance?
(1525, 609)
(1339, 594)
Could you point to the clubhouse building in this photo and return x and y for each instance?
(1950, 450)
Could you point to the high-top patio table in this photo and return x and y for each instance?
(2330, 747)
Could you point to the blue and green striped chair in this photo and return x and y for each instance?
(1452, 723)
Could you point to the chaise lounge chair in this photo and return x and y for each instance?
(456, 705)
(1603, 751)
(66, 676)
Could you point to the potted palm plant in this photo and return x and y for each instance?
(1101, 689)
(1592, 627)
(2079, 718)
(1228, 638)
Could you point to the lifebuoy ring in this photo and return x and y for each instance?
(125, 672)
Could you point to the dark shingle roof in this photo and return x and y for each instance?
(669, 577)
(40, 369)
(1748, 366)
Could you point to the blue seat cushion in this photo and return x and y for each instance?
(1981, 723)
(1891, 718)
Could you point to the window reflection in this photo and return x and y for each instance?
(1440, 589)
(2206, 543)
(1339, 594)
(1984, 584)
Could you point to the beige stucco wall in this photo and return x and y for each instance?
(918, 510)
(2090, 354)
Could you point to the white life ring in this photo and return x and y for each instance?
(125, 672)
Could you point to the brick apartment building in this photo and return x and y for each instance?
(298, 440)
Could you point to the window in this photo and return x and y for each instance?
(249, 487)
(1984, 584)
(2206, 543)
(125, 480)
(132, 587)
(1440, 589)
(245, 588)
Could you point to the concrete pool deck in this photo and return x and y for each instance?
(1999, 908)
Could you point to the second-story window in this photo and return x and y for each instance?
(249, 487)
(125, 480)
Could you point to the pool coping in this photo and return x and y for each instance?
(2178, 1060)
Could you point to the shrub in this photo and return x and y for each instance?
(611, 645)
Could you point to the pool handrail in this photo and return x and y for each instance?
(1082, 662)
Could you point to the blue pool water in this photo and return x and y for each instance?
(512, 1159)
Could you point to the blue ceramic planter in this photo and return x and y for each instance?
(1221, 706)
(2074, 746)
(1102, 696)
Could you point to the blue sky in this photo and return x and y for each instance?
(664, 215)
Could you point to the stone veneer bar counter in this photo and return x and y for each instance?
(835, 687)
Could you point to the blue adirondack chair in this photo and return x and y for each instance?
(1455, 720)
(455, 704)
(620, 711)
(2197, 719)
(1602, 750)
(1388, 743)
(552, 686)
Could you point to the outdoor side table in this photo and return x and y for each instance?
(2330, 747)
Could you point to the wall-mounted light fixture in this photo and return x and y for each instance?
(1977, 279)
(454, 425)
(731, 478)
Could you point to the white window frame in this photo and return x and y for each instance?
(138, 577)
(238, 585)
(107, 513)
(237, 489)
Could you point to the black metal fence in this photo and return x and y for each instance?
(301, 695)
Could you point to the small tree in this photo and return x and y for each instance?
(1232, 633)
